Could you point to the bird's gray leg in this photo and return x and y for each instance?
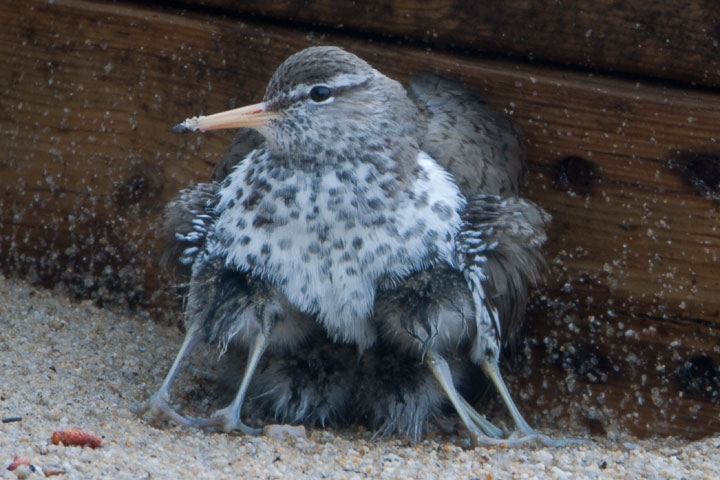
(479, 435)
(158, 406)
(482, 422)
(490, 367)
(228, 418)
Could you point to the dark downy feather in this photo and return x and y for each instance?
(396, 394)
(311, 385)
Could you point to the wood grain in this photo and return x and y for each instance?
(664, 39)
(624, 336)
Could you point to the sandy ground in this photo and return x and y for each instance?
(68, 365)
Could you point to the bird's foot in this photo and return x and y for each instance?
(485, 434)
(526, 434)
(480, 440)
(559, 442)
(488, 428)
(227, 419)
(529, 436)
(159, 410)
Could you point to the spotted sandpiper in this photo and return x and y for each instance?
(369, 215)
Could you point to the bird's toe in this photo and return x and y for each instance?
(158, 410)
(227, 421)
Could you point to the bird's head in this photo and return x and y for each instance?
(324, 103)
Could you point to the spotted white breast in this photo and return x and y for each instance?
(326, 239)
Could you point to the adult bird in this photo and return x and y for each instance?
(363, 197)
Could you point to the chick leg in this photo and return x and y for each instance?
(490, 367)
(228, 418)
(482, 422)
(482, 432)
(157, 406)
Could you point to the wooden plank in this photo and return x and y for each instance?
(628, 171)
(664, 39)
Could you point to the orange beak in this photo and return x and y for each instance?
(252, 116)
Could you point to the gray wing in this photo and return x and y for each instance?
(482, 149)
(499, 249)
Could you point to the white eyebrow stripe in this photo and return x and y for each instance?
(338, 81)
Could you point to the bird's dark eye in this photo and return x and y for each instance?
(320, 93)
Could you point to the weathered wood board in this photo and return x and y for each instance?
(665, 39)
(628, 326)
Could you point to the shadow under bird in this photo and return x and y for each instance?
(364, 215)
